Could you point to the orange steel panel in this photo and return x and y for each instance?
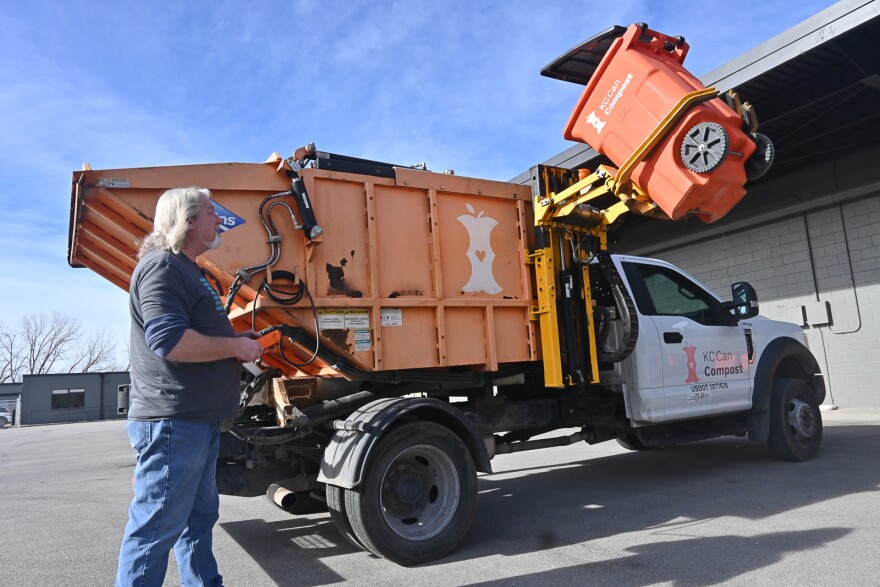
(135, 218)
(413, 343)
(422, 271)
(214, 176)
(465, 344)
(342, 261)
(514, 335)
(113, 252)
(108, 221)
(461, 184)
(403, 243)
(94, 260)
(120, 250)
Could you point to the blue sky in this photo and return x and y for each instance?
(451, 83)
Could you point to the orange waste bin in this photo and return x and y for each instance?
(698, 168)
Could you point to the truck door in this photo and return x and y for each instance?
(704, 358)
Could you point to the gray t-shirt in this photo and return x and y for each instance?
(168, 295)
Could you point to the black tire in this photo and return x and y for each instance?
(336, 505)
(418, 495)
(3, 422)
(631, 442)
(762, 159)
(795, 421)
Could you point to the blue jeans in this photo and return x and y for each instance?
(175, 503)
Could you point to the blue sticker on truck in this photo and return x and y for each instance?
(228, 218)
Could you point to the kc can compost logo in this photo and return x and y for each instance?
(716, 363)
(691, 352)
(595, 122)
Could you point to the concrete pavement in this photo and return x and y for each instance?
(720, 512)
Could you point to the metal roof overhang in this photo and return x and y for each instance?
(816, 89)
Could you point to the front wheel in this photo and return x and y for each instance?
(418, 495)
(795, 421)
(631, 442)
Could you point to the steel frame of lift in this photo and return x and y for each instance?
(567, 214)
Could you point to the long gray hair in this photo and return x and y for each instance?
(173, 209)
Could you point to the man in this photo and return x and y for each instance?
(185, 373)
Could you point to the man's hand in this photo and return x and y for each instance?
(252, 334)
(247, 349)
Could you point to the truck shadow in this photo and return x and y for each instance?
(290, 551)
(713, 560)
(669, 492)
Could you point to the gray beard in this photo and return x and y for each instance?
(214, 244)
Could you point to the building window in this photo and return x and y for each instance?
(68, 398)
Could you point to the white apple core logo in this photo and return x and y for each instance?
(480, 252)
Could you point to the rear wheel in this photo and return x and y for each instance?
(418, 495)
(631, 442)
(336, 505)
(795, 421)
(3, 422)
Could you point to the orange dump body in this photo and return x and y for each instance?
(416, 271)
(637, 83)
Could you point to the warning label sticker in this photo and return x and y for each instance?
(357, 318)
(331, 319)
(361, 339)
(392, 317)
(113, 182)
(343, 319)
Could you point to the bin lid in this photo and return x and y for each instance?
(579, 63)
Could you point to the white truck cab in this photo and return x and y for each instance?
(697, 356)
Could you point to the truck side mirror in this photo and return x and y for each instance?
(745, 300)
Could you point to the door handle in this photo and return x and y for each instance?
(672, 337)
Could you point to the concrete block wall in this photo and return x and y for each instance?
(844, 242)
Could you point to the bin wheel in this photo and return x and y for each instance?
(761, 161)
(416, 501)
(704, 147)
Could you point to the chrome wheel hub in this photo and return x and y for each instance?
(801, 420)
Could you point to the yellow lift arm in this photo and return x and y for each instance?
(571, 210)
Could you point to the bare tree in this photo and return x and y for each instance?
(96, 353)
(55, 343)
(11, 356)
(48, 339)
(126, 355)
